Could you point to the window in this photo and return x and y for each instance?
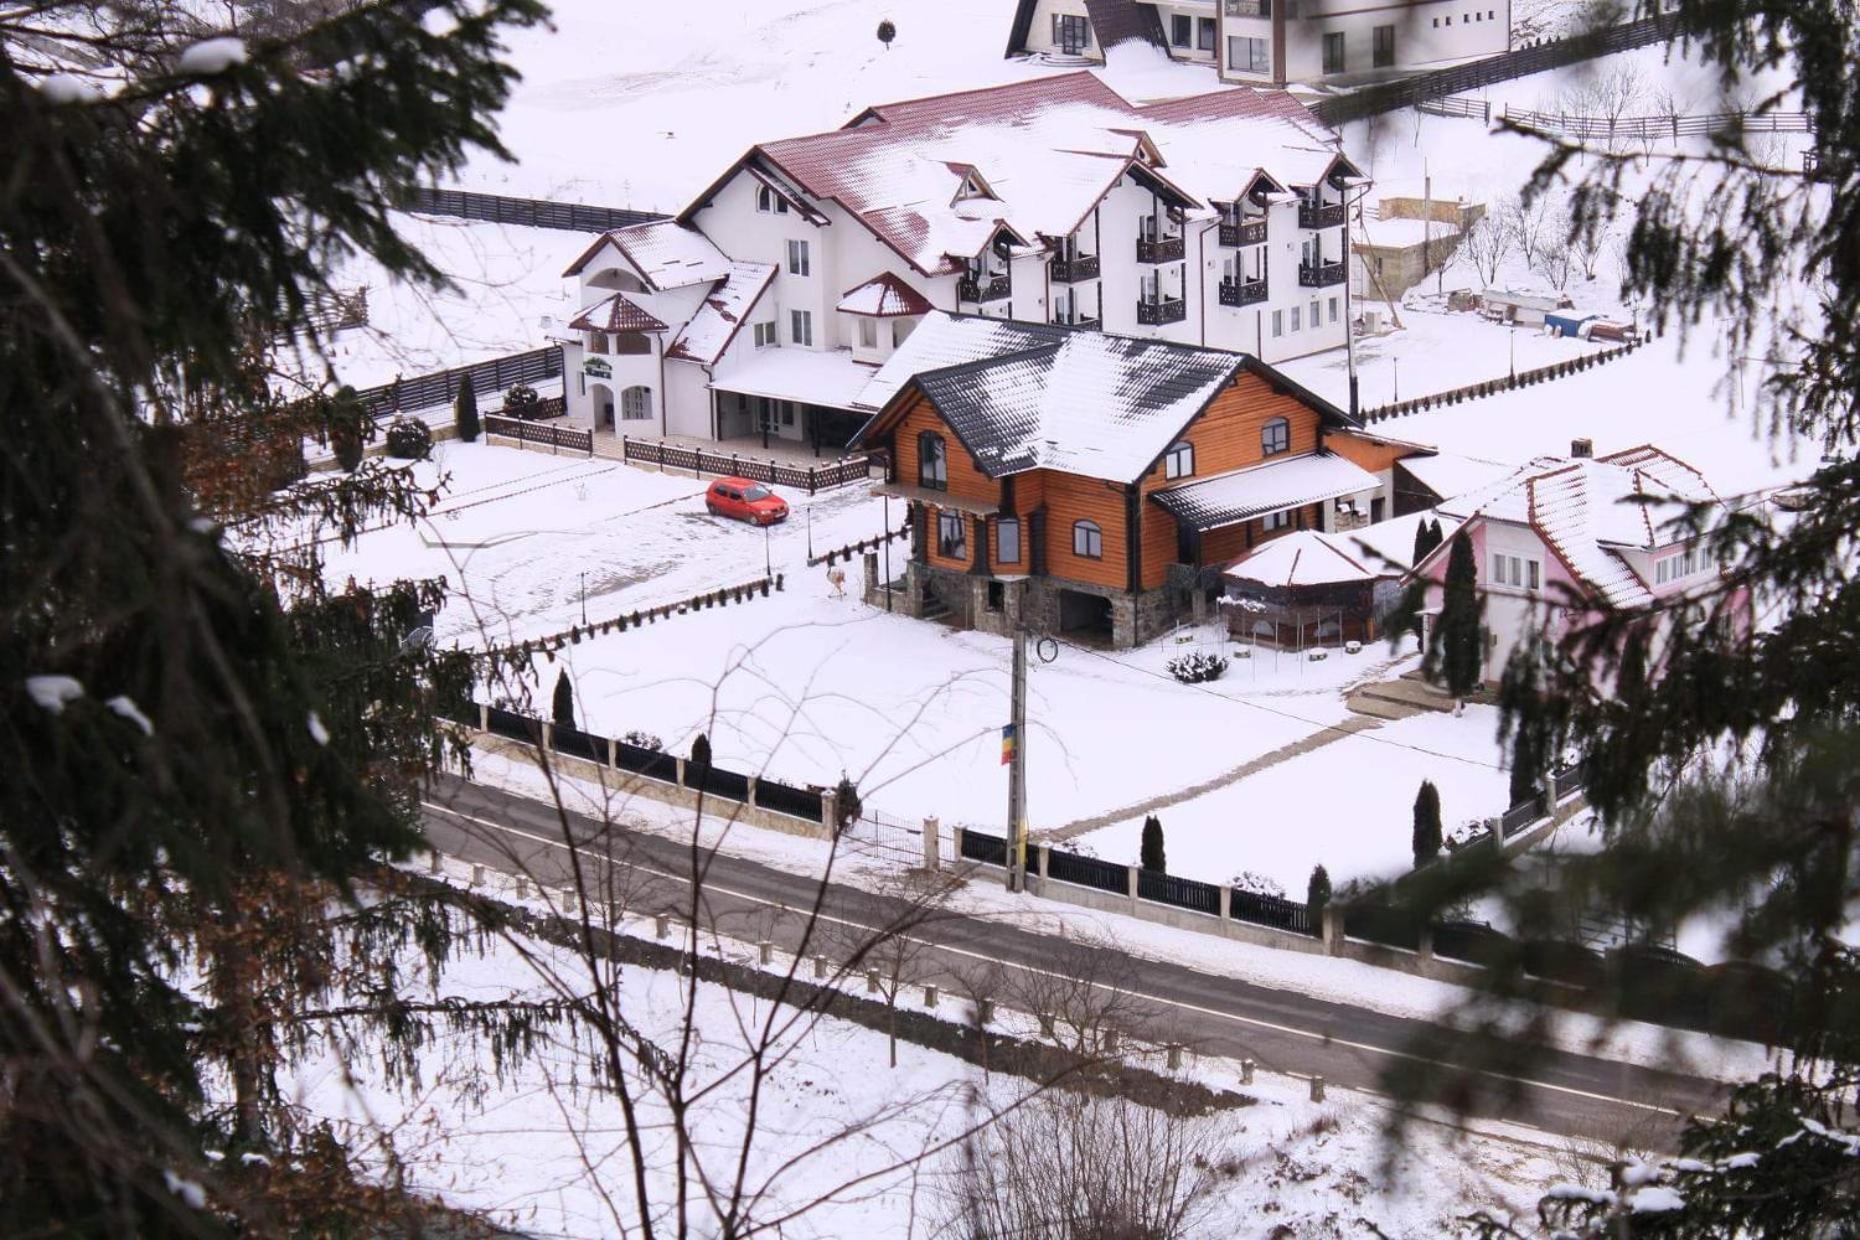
(932, 462)
(1179, 461)
(952, 535)
(1333, 309)
(1449, 21)
(1333, 52)
(1181, 30)
(1382, 47)
(1317, 315)
(1530, 575)
(636, 404)
(597, 342)
(1088, 540)
(1436, 23)
(901, 330)
(1275, 521)
(787, 413)
(797, 258)
(765, 334)
(1294, 318)
(1275, 437)
(769, 202)
(801, 327)
(1071, 32)
(868, 333)
(1204, 34)
(1278, 322)
(1511, 570)
(1007, 540)
(1248, 55)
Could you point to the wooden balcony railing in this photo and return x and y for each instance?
(1320, 215)
(1164, 310)
(1161, 250)
(1242, 292)
(1320, 275)
(991, 288)
(1074, 269)
(1246, 232)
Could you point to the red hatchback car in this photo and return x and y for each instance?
(743, 500)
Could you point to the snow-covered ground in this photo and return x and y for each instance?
(544, 1153)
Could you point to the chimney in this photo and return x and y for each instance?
(1581, 447)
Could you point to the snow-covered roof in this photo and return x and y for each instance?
(1304, 558)
(1046, 150)
(721, 315)
(945, 339)
(1396, 234)
(1449, 475)
(666, 254)
(617, 313)
(1243, 494)
(1590, 510)
(1090, 404)
(827, 377)
(884, 296)
(1389, 545)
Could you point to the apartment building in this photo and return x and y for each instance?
(766, 305)
(1274, 42)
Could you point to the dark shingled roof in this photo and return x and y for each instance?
(1120, 21)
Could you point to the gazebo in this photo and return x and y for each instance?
(1307, 589)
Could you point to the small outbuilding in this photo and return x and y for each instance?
(1309, 589)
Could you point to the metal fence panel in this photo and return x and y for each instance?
(1068, 867)
(441, 387)
(1523, 814)
(1379, 924)
(717, 782)
(1274, 911)
(508, 723)
(797, 802)
(1181, 892)
(980, 846)
(530, 212)
(651, 763)
(578, 744)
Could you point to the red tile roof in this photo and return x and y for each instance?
(884, 296)
(617, 314)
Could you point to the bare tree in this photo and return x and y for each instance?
(1531, 219)
(1070, 1167)
(1085, 1000)
(1487, 244)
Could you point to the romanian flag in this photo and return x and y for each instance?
(1010, 744)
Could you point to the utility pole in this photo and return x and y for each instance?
(1017, 766)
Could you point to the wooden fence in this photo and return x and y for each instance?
(1520, 62)
(1622, 128)
(524, 431)
(1492, 387)
(440, 388)
(530, 212)
(745, 592)
(811, 478)
(848, 551)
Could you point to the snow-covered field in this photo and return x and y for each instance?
(541, 1152)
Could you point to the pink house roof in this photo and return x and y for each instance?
(617, 313)
(884, 297)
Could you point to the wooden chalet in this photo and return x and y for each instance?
(1095, 485)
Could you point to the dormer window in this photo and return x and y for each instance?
(768, 202)
(1179, 461)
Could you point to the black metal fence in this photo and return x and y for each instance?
(441, 387)
(805, 803)
(524, 431)
(1492, 387)
(1274, 911)
(715, 781)
(1376, 923)
(1068, 867)
(1523, 814)
(1521, 62)
(810, 478)
(1181, 892)
(516, 727)
(985, 848)
(578, 744)
(650, 763)
(530, 212)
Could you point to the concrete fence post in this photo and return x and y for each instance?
(1131, 871)
(613, 753)
(765, 952)
(1175, 1058)
(477, 876)
(1226, 908)
(1333, 930)
(871, 981)
(484, 717)
(1246, 1071)
(933, 844)
(955, 836)
(662, 926)
(1317, 1089)
(751, 794)
(820, 966)
(678, 771)
(830, 810)
(984, 1011)
(929, 996)
(1045, 852)
(548, 735)
(1424, 944)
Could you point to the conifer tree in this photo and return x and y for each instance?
(700, 751)
(1427, 832)
(1456, 649)
(563, 707)
(465, 411)
(1317, 891)
(1152, 856)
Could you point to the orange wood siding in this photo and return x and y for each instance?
(1226, 435)
(967, 559)
(1159, 544)
(1069, 500)
(965, 480)
(1372, 456)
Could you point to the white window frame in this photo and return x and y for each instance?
(952, 548)
(1278, 323)
(1275, 444)
(1179, 460)
(1296, 310)
(636, 403)
(868, 333)
(766, 334)
(1087, 540)
(1007, 540)
(1276, 520)
(797, 258)
(801, 327)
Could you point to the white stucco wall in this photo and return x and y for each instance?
(1040, 32)
(1428, 33)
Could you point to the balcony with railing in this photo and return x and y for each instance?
(987, 288)
(1075, 269)
(1162, 310)
(1242, 292)
(1320, 215)
(1248, 8)
(1320, 275)
(1160, 250)
(1062, 319)
(1243, 232)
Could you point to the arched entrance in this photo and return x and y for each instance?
(603, 398)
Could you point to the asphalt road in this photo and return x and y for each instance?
(1281, 1030)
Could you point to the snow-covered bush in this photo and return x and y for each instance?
(644, 740)
(1256, 884)
(522, 402)
(409, 440)
(1196, 666)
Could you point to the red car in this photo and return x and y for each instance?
(743, 500)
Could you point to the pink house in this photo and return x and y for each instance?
(1561, 538)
